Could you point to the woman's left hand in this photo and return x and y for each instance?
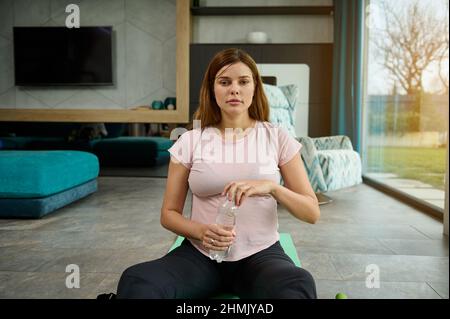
(246, 188)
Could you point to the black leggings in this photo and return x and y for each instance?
(187, 273)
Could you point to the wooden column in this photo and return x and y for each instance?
(182, 58)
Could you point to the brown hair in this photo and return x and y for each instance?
(208, 112)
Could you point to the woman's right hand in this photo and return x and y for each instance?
(217, 237)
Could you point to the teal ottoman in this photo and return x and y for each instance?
(133, 151)
(35, 183)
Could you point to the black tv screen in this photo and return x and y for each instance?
(62, 56)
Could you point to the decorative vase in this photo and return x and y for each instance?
(170, 103)
(157, 105)
(257, 37)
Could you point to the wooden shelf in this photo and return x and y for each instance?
(285, 10)
(93, 115)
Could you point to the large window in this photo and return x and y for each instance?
(406, 105)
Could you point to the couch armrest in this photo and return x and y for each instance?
(312, 165)
(308, 150)
(337, 142)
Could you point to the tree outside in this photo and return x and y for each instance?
(406, 103)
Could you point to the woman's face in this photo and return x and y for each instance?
(234, 88)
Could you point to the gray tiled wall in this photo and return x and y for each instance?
(143, 52)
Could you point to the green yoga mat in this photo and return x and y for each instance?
(285, 241)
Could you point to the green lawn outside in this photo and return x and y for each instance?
(423, 164)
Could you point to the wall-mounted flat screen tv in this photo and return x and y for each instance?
(61, 56)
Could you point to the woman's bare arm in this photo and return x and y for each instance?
(174, 198)
(297, 194)
(172, 213)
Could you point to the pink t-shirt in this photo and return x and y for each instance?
(214, 162)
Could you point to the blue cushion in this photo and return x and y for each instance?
(38, 207)
(291, 92)
(276, 97)
(283, 118)
(285, 96)
(28, 174)
(282, 101)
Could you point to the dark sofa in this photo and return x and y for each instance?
(116, 149)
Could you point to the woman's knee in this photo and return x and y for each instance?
(135, 271)
(305, 284)
(298, 283)
(139, 281)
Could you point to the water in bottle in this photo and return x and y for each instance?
(226, 218)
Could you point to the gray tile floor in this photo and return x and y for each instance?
(119, 226)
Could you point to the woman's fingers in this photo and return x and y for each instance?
(225, 190)
(238, 192)
(217, 236)
(230, 190)
(242, 193)
(230, 193)
(225, 232)
(217, 245)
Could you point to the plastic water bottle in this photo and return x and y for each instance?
(226, 219)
